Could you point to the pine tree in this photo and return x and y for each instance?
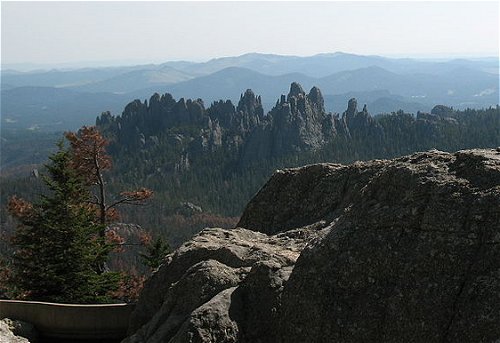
(156, 253)
(58, 246)
(90, 158)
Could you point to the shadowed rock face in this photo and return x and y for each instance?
(415, 258)
(185, 297)
(406, 250)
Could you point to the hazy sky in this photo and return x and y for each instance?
(62, 32)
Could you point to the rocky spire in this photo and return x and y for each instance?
(359, 123)
(249, 103)
(316, 99)
(296, 90)
(249, 111)
(352, 108)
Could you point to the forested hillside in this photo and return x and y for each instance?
(205, 162)
(218, 156)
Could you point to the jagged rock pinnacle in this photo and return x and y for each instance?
(316, 97)
(352, 107)
(296, 90)
(248, 94)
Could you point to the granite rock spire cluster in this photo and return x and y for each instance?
(298, 122)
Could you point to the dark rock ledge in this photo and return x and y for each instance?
(403, 250)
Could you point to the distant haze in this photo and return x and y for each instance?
(71, 34)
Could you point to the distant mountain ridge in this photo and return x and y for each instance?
(410, 84)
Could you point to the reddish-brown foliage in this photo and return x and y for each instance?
(145, 238)
(130, 287)
(115, 240)
(138, 195)
(89, 153)
(112, 215)
(19, 208)
(90, 159)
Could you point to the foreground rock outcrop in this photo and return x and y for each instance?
(16, 331)
(406, 250)
(192, 294)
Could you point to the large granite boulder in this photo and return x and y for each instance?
(194, 288)
(415, 257)
(403, 250)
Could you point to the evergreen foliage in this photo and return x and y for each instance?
(155, 253)
(58, 249)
